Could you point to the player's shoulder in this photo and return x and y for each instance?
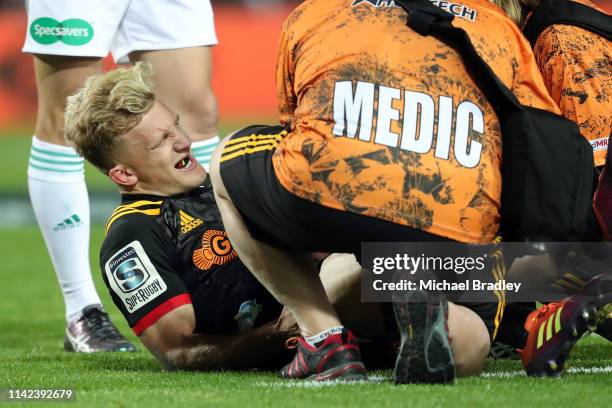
(566, 44)
(134, 215)
(482, 15)
(311, 13)
(565, 34)
(485, 15)
(134, 219)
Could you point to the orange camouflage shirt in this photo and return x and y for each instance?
(576, 65)
(388, 124)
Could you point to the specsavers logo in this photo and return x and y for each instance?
(47, 30)
(216, 250)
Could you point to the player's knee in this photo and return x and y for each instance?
(471, 356)
(199, 112)
(215, 177)
(215, 172)
(469, 340)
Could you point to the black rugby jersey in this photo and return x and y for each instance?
(163, 252)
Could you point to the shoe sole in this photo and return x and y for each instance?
(353, 371)
(425, 355)
(588, 317)
(71, 345)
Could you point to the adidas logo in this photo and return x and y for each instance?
(72, 222)
(188, 222)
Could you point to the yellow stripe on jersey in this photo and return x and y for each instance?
(248, 151)
(567, 284)
(254, 136)
(499, 273)
(153, 211)
(250, 144)
(134, 208)
(575, 279)
(135, 204)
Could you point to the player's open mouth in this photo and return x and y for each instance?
(184, 163)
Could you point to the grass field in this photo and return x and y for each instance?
(31, 356)
(15, 150)
(31, 333)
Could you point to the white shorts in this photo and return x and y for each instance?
(92, 28)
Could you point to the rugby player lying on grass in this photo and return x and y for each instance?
(166, 258)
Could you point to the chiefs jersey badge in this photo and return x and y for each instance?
(216, 250)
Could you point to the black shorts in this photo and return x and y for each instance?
(277, 217)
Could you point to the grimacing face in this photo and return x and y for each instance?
(155, 157)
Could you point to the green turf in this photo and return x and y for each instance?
(15, 152)
(14, 164)
(31, 331)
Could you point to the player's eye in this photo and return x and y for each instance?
(164, 137)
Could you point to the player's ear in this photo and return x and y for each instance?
(123, 176)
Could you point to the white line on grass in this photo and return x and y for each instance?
(380, 378)
(571, 370)
(590, 370)
(320, 384)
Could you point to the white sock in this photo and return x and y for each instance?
(317, 338)
(203, 150)
(59, 198)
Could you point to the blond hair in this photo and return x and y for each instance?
(513, 8)
(108, 106)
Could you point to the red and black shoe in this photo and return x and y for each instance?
(336, 358)
(555, 328)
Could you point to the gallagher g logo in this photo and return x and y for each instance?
(216, 250)
(46, 30)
